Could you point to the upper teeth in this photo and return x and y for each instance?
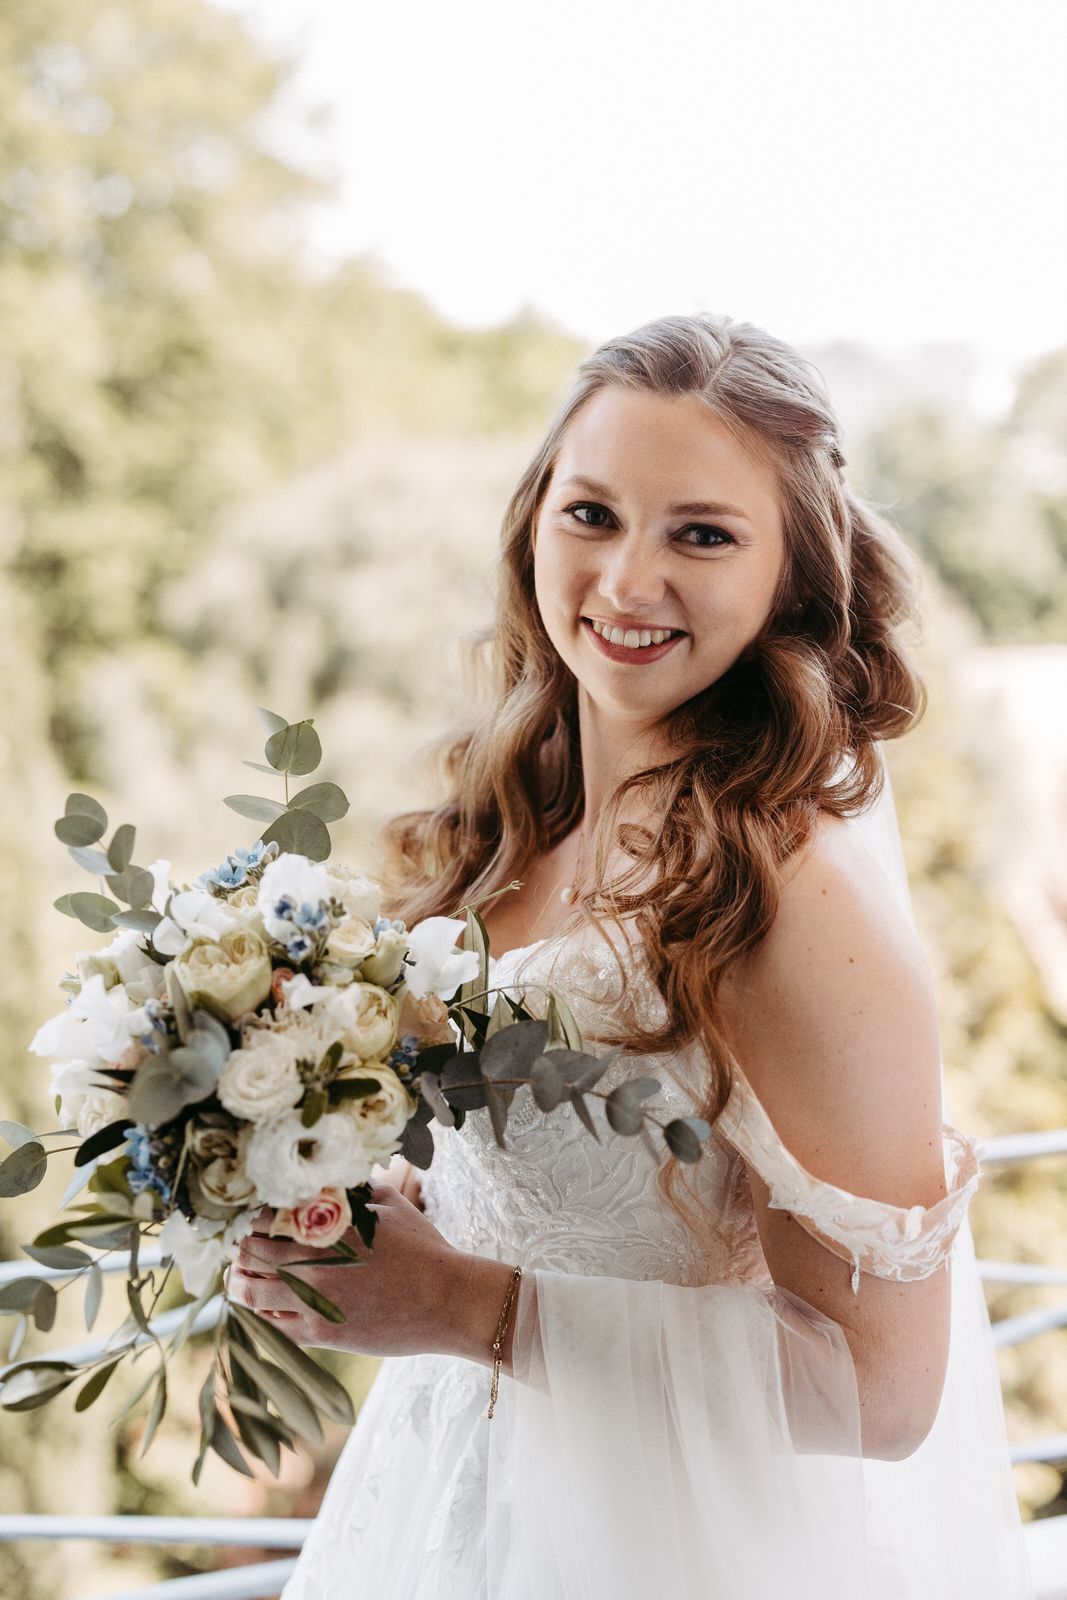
(631, 637)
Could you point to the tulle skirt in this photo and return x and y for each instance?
(699, 1443)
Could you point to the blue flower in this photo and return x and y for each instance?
(143, 1173)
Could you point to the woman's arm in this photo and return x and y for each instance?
(834, 1021)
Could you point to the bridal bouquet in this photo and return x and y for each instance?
(261, 1037)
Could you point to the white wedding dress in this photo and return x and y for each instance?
(676, 1423)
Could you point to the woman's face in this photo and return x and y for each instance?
(654, 518)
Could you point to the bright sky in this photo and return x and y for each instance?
(892, 171)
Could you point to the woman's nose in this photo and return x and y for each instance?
(632, 575)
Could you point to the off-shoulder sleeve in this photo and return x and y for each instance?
(899, 1242)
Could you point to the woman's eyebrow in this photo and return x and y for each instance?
(691, 508)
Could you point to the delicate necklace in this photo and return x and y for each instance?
(569, 890)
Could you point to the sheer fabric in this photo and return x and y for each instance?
(675, 1421)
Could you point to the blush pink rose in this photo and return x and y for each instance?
(318, 1222)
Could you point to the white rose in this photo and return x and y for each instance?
(217, 1179)
(358, 894)
(290, 878)
(370, 1030)
(289, 1163)
(381, 1117)
(98, 1108)
(351, 941)
(230, 977)
(387, 962)
(261, 1080)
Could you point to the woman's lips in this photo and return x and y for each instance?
(633, 655)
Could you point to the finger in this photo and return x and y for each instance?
(264, 1294)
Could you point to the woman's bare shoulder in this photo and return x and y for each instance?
(833, 1019)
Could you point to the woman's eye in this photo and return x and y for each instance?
(719, 535)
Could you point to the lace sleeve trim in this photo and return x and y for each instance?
(889, 1241)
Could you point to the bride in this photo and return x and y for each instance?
(767, 1372)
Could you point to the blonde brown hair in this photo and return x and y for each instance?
(788, 731)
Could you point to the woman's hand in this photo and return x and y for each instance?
(401, 1298)
(405, 1177)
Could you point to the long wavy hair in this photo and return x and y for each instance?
(788, 731)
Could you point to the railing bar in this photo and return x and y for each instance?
(1013, 1330)
(1022, 1272)
(263, 1581)
(151, 1256)
(163, 1325)
(265, 1533)
(1023, 1146)
(1051, 1447)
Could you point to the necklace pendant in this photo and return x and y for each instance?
(566, 894)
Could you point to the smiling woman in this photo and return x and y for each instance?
(767, 1372)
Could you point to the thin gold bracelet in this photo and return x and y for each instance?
(501, 1329)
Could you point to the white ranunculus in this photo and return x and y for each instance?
(261, 1079)
(385, 965)
(126, 961)
(97, 1025)
(231, 976)
(359, 895)
(438, 967)
(289, 1163)
(198, 1258)
(382, 1117)
(194, 914)
(292, 877)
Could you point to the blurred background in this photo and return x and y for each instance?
(287, 295)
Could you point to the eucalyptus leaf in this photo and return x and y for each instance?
(258, 1437)
(99, 1143)
(159, 1406)
(257, 766)
(135, 885)
(120, 850)
(34, 1383)
(133, 1401)
(512, 1052)
(311, 1296)
(623, 1105)
(23, 1169)
(294, 748)
(94, 910)
(225, 1445)
(546, 1084)
(684, 1136)
(139, 921)
(289, 1399)
(498, 1113)
(15, 1134)
(18, 1295)
(94, 1385)
(94, 1291)
(62, 1256)
(326, 800)
(578, 1102)
(321, 1386)
(271, 720)
(94, 861)
(44, 1306)
(254, 807)
(416, 1145)
(84, 821)
(300, 833)
(430, 1087)
(315, 1103)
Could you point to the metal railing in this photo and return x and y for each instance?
(1046, 1540)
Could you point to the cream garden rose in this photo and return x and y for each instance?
(261, 1079)
(372, 1029)
(350, 942)
(218, 1182)
(381, 1117)
(231, 975)
(385, 965)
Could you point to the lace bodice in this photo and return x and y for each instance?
(557, 1198)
